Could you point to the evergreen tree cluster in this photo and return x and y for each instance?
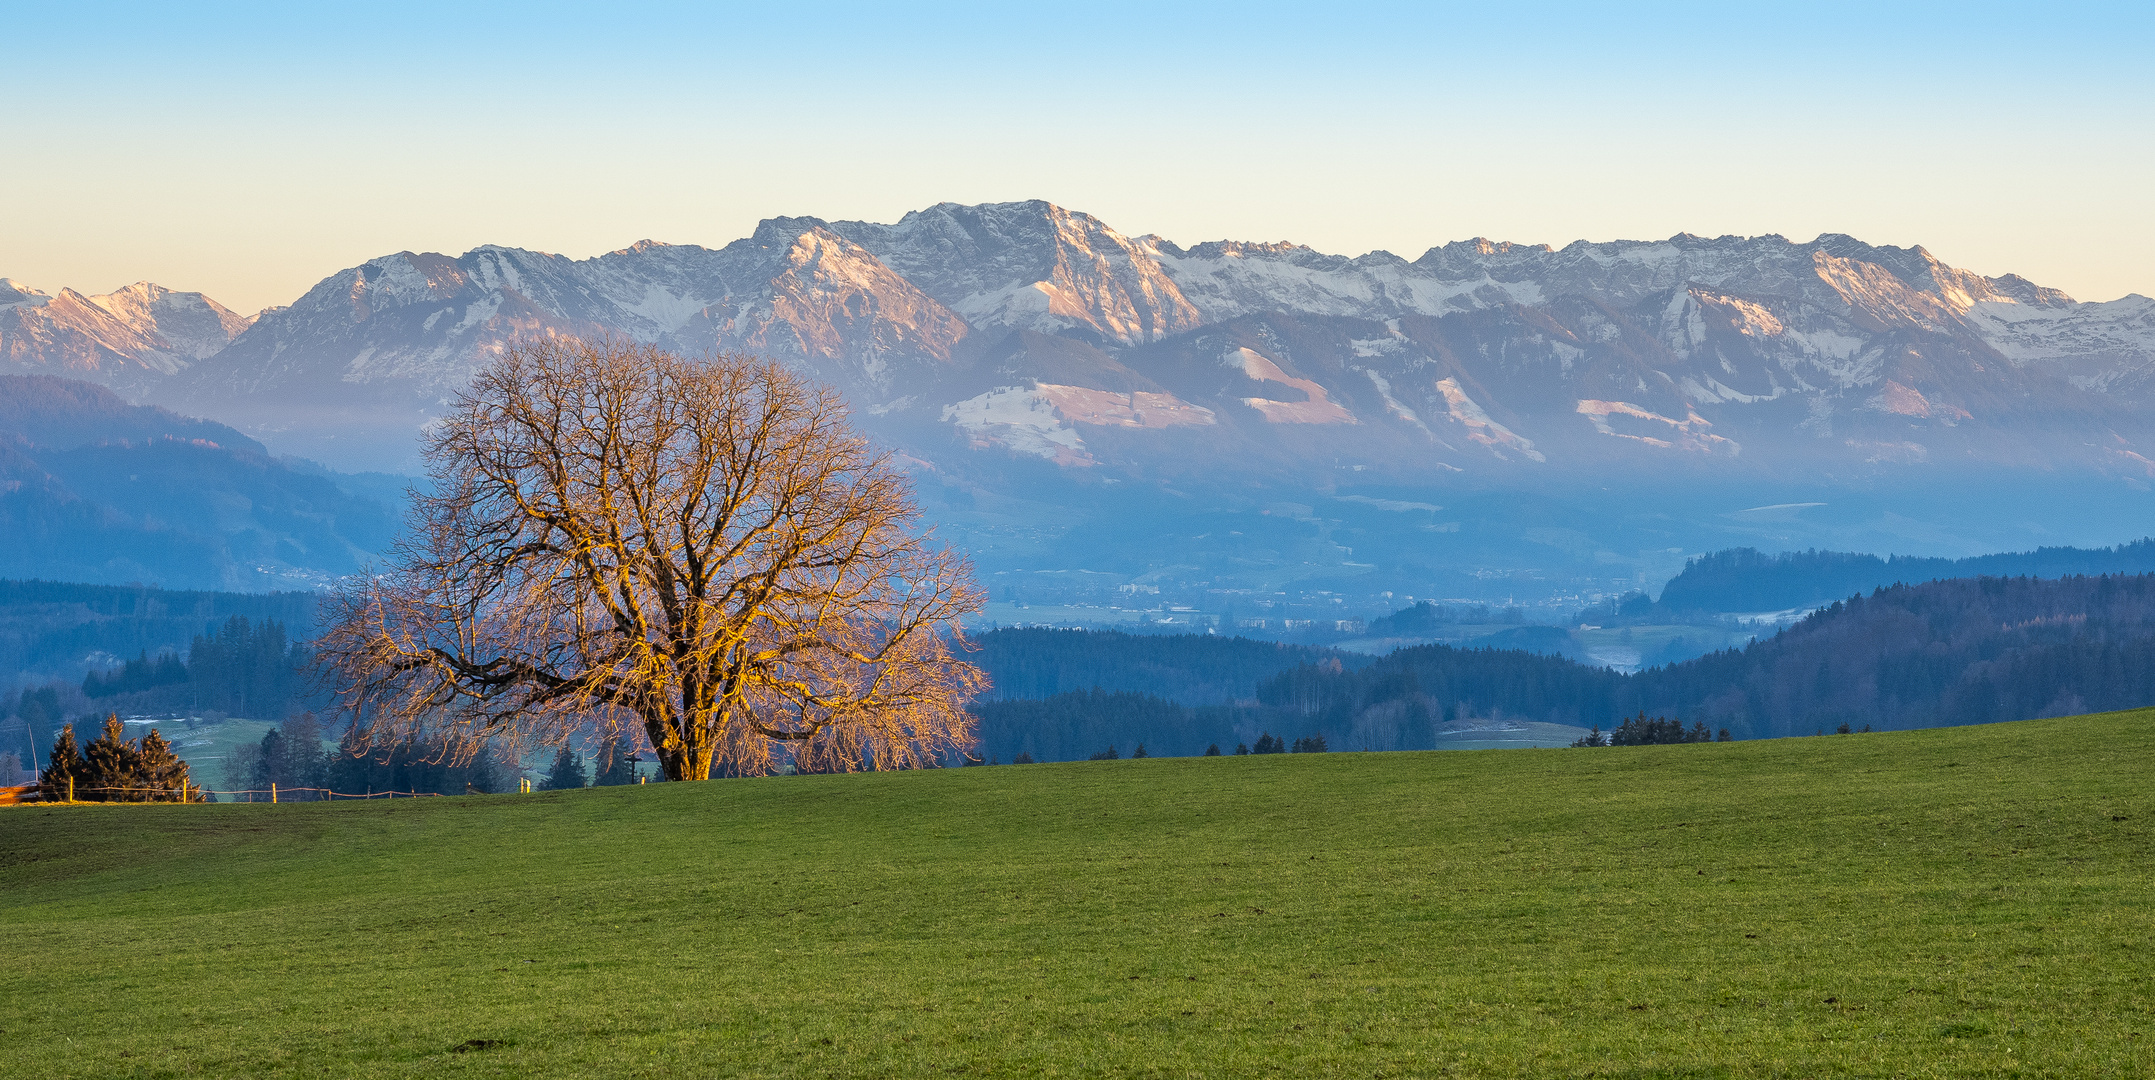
(1640, 731)
(114, 768)
(246, 668)
(295, 758)
(144, 672)
(1075, 726)
(47, 627)
(614, 765)
(290, 756)
(420, 766)
(242, 668)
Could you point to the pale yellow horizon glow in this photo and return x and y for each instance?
(250, 156)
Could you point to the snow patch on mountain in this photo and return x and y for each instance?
(1021, 420)
(1135, 409)
(1398, 408)
(1480, 428)
(1690, 433)
(1316, 408)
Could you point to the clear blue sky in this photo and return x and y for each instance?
(249, 150)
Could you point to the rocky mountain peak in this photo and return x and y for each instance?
(130, 338)
(14, 292)
(1032, 266)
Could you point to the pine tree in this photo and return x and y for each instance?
(159, 770)
(567, 773)
(66, 771)
(1139, 752)
(1212, 750)
(263, 761)
(111, 762)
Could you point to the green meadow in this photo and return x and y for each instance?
(1963, 902)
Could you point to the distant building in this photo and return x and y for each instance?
(1349, 626)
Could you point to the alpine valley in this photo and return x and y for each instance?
(1100, 417)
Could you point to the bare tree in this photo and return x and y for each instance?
(705, 548)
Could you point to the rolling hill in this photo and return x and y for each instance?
(93, 489)
(1964, 902)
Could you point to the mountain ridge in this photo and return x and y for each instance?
(1759, 353)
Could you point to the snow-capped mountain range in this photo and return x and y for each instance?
(1029, 330)
(134, 339)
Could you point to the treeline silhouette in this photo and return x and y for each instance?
(1747, 580)
(1099, 725)
(1962, 651)
(297, 758)
(1074, 726)
(243, 668)
(1194, 669)
(1659, 731)
(47, 627)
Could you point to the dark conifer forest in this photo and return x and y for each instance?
(1745, 579)
(1194, 669)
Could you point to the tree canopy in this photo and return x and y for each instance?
(705, 549)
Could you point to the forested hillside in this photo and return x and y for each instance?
(94, 489)
(1087, 723)
(1960, 651)
(61, 630)
(1194, 669)
(1747, 580)
(79, 650)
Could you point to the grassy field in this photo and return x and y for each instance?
(205, 746)
(1966, 902)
